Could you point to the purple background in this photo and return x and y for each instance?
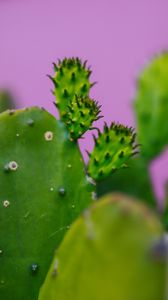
(116, 36)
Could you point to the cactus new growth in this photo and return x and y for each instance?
(111, 252)
(112, 150)
(81, 113)
(45, 185)
(71, 79)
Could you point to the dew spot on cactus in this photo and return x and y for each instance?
(90, 180)
(69, 166)
(13, 166)
(34, 268)
(94, 196)
(55, 269)
(51, 189)
(62, 191)
(30, 122)
(1, 252)
(48, 135)
(6, 203)
(17, 134)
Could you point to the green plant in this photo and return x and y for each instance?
(44, 183)
(111, 252)
(151, 112)
(6, 101)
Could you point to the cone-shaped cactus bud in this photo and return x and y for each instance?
(112, 149)
(114, 251)
(81, 113)
(71, 78)
(151, 107)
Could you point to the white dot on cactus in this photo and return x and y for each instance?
(17, 134)
(13, 165)
(73, 206)
(1, 252)
(55, 269)
(69, 166)
(51, 189)
(6, 203)
(94, 196)
(90, 180)
(48, 135)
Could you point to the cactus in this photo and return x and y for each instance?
(151, 111)
(112, 150)
(71, 79)
(81, 113)
(6, 101)
(114, 251)
(133, 181)
(151, 107)
(44, 183)
(43, 189)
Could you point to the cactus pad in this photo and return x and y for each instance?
(81, 113)
(5, 101)
(43, 188)
(112, 149)
(133, 181)
(113, 253)
(151, 107)
(71, 79)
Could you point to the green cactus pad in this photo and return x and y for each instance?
(5, 101)
(112, 149)
(112, 252)
(133, 181)
(151, 107)
(43, 188)
(80, 115)
(71, 79)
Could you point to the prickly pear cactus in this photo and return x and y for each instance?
(81, 113)
(112, 150)
(113, 253)
(71, 79)
(5, 101)
(42, 190)
(133, 181)
(151, 107)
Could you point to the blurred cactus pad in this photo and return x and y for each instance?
(6, 101)
(112, 254)
(45, 185)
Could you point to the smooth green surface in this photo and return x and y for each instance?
(38, 200)
(107, 255)
(133, 181)
(151, 107)
(113, 148)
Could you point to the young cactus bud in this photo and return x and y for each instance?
(71, 78)
(112, 149)
(151, 107)
(81, 113)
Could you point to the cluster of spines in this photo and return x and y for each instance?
(80, 115)
(113, 147)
